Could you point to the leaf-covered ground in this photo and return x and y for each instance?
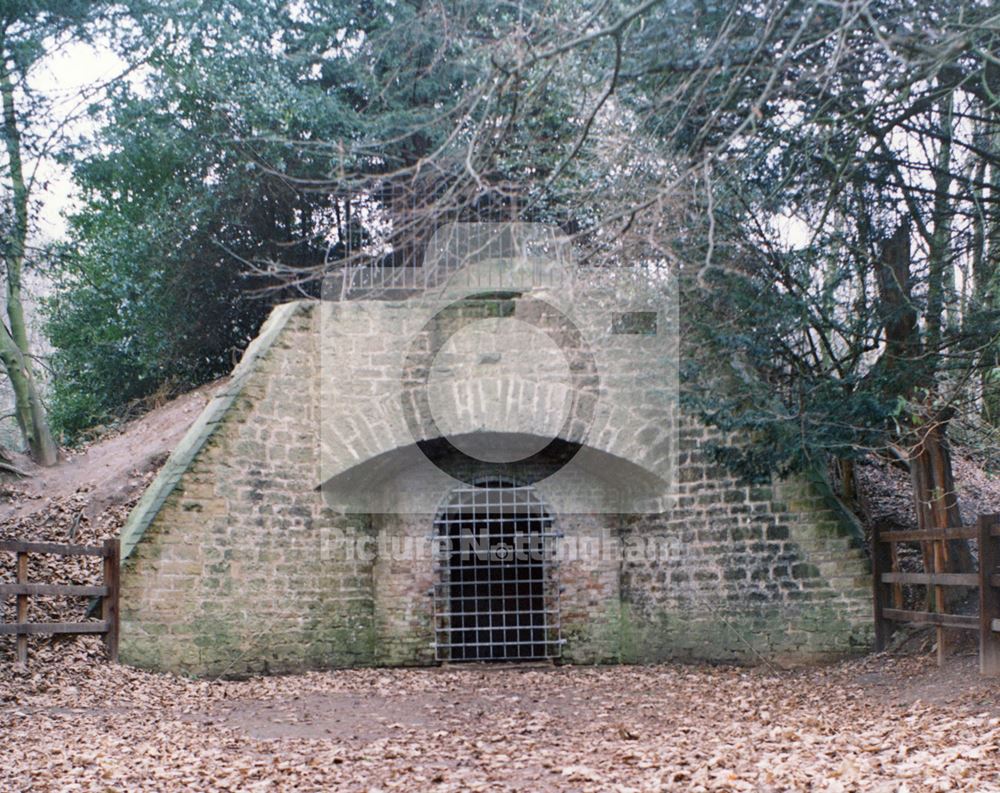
(71, 722)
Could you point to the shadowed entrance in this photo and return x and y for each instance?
(496, 597)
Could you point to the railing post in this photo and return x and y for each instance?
(109, 603)
(989, 595)
(881, 563)
(22, 607)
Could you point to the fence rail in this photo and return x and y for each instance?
(888, 583)
(23, 589)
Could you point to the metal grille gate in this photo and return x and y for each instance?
(496, 597)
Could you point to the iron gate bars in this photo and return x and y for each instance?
(496, 597)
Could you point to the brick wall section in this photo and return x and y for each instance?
(589, 575)
(236, 572)
(237, 565)
(403, 575)
(748, 572)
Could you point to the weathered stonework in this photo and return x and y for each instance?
(227, 570)
(760, 572)
(238, 561)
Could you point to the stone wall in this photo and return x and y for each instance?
(237, 563)
(402, 578)
(235, 571)
(589, 574)
(747, 572)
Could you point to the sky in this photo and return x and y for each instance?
(61, 77)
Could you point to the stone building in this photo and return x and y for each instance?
(489, 467)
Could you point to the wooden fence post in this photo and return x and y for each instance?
(939, 553)
(881, 563)
(989, 595)
(109, 603)
(22, 607)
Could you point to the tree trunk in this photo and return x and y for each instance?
(15, 347)
(935, 496)
(28, 408)
(940, 270)
(930, 461)
(988, 290)
(848, 487)
(908, 365)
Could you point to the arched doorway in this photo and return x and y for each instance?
(496, 596)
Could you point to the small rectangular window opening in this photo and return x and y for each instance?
(634, 323)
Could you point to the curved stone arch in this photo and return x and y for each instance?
(647, 439)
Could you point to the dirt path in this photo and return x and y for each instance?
(872, 725)
(110, 471)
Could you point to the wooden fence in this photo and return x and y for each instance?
(888, 584)
(22, 590)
